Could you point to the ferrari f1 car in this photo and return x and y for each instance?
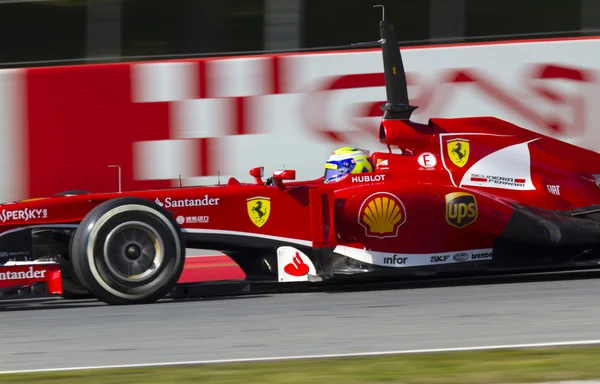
(474, 193)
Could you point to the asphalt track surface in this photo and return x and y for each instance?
(54, 333)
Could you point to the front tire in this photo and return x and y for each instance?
(128, 251)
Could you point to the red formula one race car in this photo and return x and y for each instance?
(465, 193)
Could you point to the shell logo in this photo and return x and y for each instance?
(381, 214)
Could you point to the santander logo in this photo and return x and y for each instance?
(297, 267)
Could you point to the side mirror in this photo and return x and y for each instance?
(258, 173)
(285, 174)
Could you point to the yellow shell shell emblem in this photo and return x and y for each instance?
(381, 214)
(458, 151)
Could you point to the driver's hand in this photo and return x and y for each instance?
(269, 181)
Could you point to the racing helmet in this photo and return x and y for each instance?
(345, 161)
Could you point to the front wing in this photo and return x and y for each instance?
(30, 278)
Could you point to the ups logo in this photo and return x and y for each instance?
(461, 209)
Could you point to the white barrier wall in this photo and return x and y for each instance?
(200, 118)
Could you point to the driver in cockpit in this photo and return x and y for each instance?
(345, 161)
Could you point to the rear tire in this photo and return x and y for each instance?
(128, 251)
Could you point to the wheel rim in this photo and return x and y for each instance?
(133, 251)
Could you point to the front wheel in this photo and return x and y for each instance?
(128, 251)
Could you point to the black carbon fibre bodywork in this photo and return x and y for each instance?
(538, 237)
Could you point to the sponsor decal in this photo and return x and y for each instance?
(458, 151)
(368, 178)
(181, 203)
(499, 180)
(553, 189)
(460, 257)
(16, 256)
(481, 256)
(196, 219)
(297, 267)
(293, 265)
(25, 214)
(427, 160)
(394, 260)
(17, 253)
(381, 215)
(506, 168)
(405, 260)
(382, 163)
(439, 259)
(461, 209)
(23, 275)
(259, 210)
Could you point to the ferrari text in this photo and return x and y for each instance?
(498, 180)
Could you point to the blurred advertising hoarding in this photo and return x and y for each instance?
(61, 127)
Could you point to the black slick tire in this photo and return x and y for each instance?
(128, 251)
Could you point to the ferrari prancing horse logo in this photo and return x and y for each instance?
(259, 209)
(458, 151)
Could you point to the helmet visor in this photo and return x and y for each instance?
(336, 169)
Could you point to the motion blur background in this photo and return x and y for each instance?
(50, 32)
